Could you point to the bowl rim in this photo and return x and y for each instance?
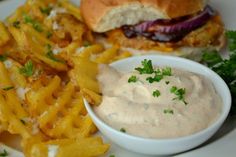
(223, 115)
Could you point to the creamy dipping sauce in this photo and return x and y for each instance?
(177, 105)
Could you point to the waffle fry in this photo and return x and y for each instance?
(34, 35)
(38, 52)
(86, 69)
(48, 62)
(11, 109)
(85, 147)
(91, 96)
(88, 51)
(122, 55)
(70, 25)
(97, 54)
(107, 55)
(5, 36)
(63, 116)
(84, 74)
(71, 9)
(74, 125)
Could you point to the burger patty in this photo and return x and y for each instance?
(206, 36)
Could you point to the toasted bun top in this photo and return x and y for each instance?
(104, 15)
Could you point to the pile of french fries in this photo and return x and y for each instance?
(48, 63)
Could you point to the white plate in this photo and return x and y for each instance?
(222, 144)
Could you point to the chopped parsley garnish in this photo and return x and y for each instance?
(27, 69)
(46, 10)
(156, 78)
(173, 89)
(133, 79)
(159, 75)
(167, 82)
(147, 67)
(168, 111)
(226, 68)
(86, 43)
(22, 121)
(3, 58)
(112, 156)
(123, 130)
(167, 71)
(8, 88)
(51, 56)
(4, 153)
(36, 25)
(156, 93)
(16, 24)
(28, 19)
(179, 93)
(49, 34)
(49, 47)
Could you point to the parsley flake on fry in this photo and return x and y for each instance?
(3, 58)
(49, 34)
(22, 121)
(28, 69)
(16, 24)
(36, 25)
(8, 88)
(46, 10)
(86, 43)
(51, 56)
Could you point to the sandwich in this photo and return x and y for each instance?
(175, 27)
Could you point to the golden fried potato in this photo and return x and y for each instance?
(73, 10)
(89, 51)
(11, 110)
(107, 55)
(82, 147)
(92, 97)
(84, 74)
(5, 36)
(49, 62)
(59, 109)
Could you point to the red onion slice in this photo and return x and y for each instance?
(169, 30)
(188, 25)
(170, 26)
(143, 27)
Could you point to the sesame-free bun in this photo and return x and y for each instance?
(105, 15)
